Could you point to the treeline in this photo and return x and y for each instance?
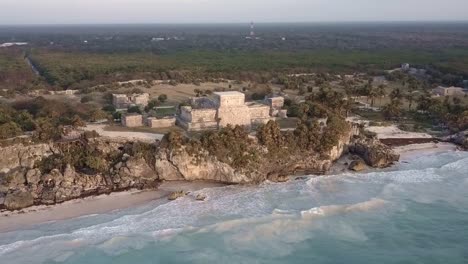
(164, 39)
(78, 69)
(15, 74)
(452, 112)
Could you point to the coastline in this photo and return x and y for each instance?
(101, 204)
(406, 144)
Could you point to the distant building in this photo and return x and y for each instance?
(11, 44)
(380, 80)
(122, 101)
(66, 92)
(448, 91)
(132, 120)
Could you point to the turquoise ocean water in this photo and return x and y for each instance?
(415, 212)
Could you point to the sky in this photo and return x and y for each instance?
(227, 11)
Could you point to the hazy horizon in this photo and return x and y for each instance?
(74, 12)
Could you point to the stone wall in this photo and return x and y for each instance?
(197, 119)
(189, 126)
(161, 123)
(239, 115)
(197, 115)
(259, 114)
(259, 111)
(203, 115)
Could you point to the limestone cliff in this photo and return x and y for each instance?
(373, 152)
(28, 178)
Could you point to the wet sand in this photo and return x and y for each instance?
(101, 204)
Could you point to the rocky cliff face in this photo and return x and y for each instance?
(374, 153)
(23, 183)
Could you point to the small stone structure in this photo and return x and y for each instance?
(132, 120)
(154, 122)
(225, 108)
(194, 119)
(448, 91)
(122, 101)
(276, 104)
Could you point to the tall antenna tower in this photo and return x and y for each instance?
(252, 29)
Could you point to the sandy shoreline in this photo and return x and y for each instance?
(101, 204)
(426, 148)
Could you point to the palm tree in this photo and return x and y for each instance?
(396, 94)
(381, 92)
(410, 97)
(372, 95)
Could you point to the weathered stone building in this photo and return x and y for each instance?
(132, 120)
(122, 101)
(225, 108)
(448, 91)
(276, 104)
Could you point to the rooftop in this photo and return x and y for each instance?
(229, 93)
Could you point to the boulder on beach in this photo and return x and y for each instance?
(374, 153)
(18, 199)
(200, 197)
(175, 195)
(357, 165)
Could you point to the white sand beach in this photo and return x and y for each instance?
(93, 205)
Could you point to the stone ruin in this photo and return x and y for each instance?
(123, 101)
(225, 108)
(211, 113)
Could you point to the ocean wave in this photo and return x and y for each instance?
(330, 210)
(457, 165)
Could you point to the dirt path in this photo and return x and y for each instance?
(139, 136)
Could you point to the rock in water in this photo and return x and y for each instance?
(461, 139)
(357, 165)
(18, 199)
(175, 195)
(374, 153)
(200, 197)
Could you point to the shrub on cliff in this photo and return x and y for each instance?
(79, 155)
(270, 135)
(231, 145)
(9, 130)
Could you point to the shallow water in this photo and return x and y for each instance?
(415, 212)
